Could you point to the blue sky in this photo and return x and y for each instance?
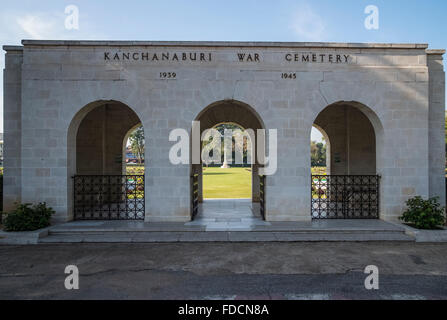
(249, 20)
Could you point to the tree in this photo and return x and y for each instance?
(318, 154)
(136, 139)
(243, 144)
(445, 131)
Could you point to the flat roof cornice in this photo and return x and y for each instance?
(435, 51)
(224, 44)
(13, 48)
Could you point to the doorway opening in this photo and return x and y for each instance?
(104, 186)
(225, 190)
(344, 181)
(227, 179)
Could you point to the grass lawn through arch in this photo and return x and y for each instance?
(231, 183)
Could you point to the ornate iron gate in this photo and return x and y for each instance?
(262, 196)
(194, 195)
(111, 197)
(345, 197)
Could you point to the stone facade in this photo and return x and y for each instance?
(51, 86)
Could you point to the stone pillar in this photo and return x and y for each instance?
(255, 183)
(436, 124)
(12, 112)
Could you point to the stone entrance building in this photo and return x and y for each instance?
(70, 105)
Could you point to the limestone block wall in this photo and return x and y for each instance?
(389, 84)
(437, 124)
(12, 111)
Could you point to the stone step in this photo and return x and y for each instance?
(221, 236)
(194, 229)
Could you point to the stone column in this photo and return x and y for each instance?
(12, 102)
(255, 183)
(436, 124)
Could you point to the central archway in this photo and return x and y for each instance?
(228, 180)
(244, 116)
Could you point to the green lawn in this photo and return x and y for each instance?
(319, 171)
(234, 183)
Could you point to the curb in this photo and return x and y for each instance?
(424, 235)
(24, 237)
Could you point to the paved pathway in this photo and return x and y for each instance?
(228, 215)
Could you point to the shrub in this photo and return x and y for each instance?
(28, 218)
(424, 214)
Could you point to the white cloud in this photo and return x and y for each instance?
(15, 26)
(316, 135)
(38, 27)
(307, 24)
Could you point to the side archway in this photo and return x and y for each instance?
(353, 188)
(95, 141)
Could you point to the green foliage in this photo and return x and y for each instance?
(424, 214)
(237, 144)
(135, 170)
(28, 218)
(137, 143)
(318, 154)
(319, 171)
(445, 119)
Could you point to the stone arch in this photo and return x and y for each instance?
(115, 119)
(230, 111)
(369, 118)
(356, 133)
(225, 111)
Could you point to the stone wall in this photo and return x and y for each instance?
(12, 112)
(389, 84)
(437, 124)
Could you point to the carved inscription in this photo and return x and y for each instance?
(158, 56)
(317, 58)
(247, 57)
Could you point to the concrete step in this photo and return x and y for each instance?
(200, 228)
(221, 236)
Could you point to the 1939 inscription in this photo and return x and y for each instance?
(168, 75)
